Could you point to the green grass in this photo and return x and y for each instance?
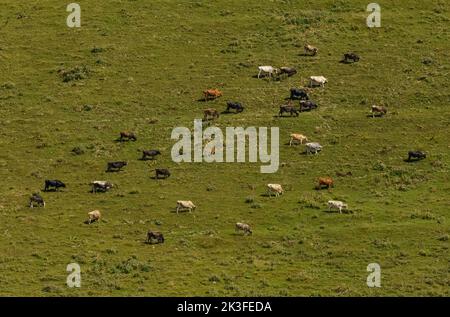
(142, 66)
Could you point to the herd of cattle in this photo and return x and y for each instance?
(305, 104)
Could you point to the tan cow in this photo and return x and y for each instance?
(297, 138)
(94, 215)
(311, 50)
(274, 189)
(240, 226)
(185, 205)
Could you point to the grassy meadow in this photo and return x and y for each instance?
(144, 66)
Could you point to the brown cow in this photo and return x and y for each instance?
(378, 109)
(212, 94)
(210, 113)
(325, 181)
(125, 135)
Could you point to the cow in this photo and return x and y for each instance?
(155, 235)
(36, 199)
(210, 114)
(102, 186)
(289, 71)
(311, 50)
(315, 81)
(298, 138)
(163, 172)
(307, 105)
(126, 136)
(325, 181)
(417, 155)
(94, 216)
(243, 227)
(150, 153)
(185, 205)
(274, 189)
(378, 109)
(313, 147)
(298, 94)
(237, 106)
(350, 57)
(116, 166)
(212, 94)
(336, 204)
(289, 109)
(270, 70)
(53, 183)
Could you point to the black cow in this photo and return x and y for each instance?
(163, 172)
(299, 94)
(53, 183)
(150, 153)
(235, 106)
(289, 109)
(116, 166)
(418, 155)
(155, 235)
(350, 57)
(36, 198)
(307, 105)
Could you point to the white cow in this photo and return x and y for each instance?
(315, 81)
(101, 185)
(313, 147)
(337, 204)
(267, 69)
(244, 227)
(94, 215)
(185, 205)
(274, 189)
(298, 137)
(309, 49)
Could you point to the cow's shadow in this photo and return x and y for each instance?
(407, 160)
(375, 116)
(344, 211)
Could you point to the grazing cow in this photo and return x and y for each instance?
(102, 186)
(243, 227)
(210, 114)
(315, 81)
(155, 235)
(274, 189)
(150, 153)
(299, 94)
(126, 136)
(237, 106)
(336, 204)
(325, 181)
(270, 70)
(350, 57)
(53, 183)
(185, 205)
(94, 216)
(378, 109)
(163, 172)
(307, 105)
(311, 50)
(289, 71)
(36, 199)
(212, 94)
(297, 138)
(289, 109)
(417, 155)
(116, 166)
(313, 147)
